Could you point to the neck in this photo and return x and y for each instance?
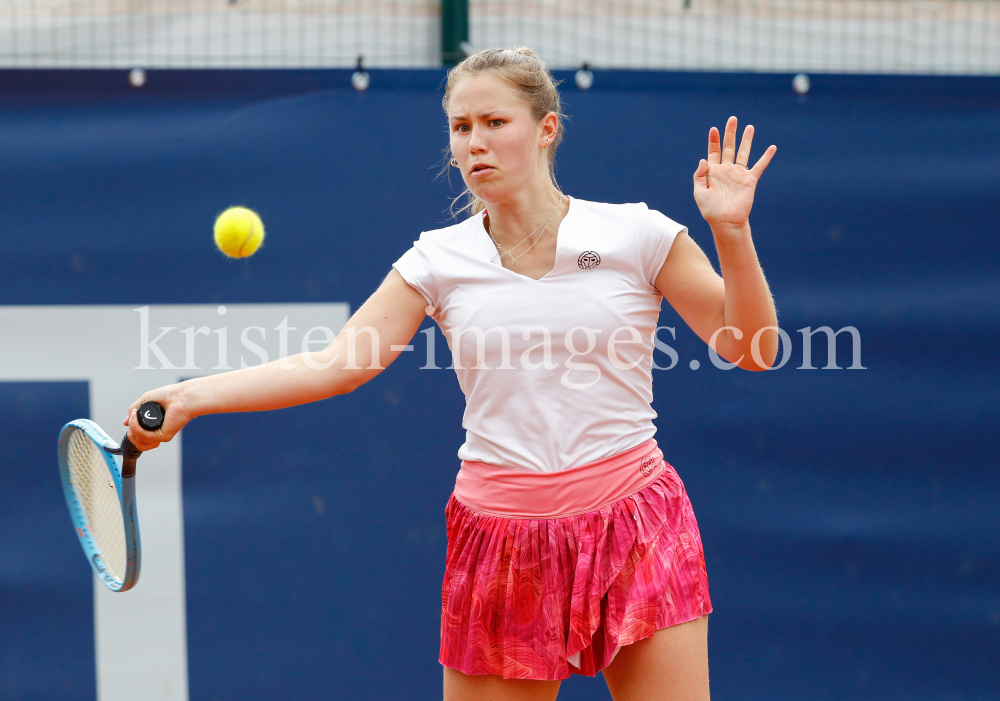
(511, 220)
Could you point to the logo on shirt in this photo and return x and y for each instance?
(647, 466)
(588, 260)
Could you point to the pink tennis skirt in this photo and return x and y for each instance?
(549, 574)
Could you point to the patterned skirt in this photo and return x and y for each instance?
(544, 598)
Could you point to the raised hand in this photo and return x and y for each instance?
(176, 416)
(724, 186)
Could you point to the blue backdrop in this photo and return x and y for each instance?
(849, 516)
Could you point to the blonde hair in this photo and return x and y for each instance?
(523, 70)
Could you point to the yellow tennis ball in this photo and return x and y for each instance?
(239, 232)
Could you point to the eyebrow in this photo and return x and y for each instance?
(481, 115)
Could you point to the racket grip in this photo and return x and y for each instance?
(129, 455)
(150, 417)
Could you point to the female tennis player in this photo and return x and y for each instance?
(572, 545)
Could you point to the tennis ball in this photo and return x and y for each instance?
(239, 232)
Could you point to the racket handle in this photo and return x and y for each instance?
(129, 455)
(150, 417)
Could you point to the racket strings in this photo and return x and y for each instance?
(95, 489)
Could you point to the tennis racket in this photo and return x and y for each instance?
(98, 478)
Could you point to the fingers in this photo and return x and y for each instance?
(141, 438)
(743, 157)
(701, 175)
(714, 150)
(133, 406)
(761, 164)
(729, 141)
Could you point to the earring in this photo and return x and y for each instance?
(454, 162)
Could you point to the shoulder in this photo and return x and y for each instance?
(634, 219)
(627, 214)
(454, 237)
(436, 256)
(608, 210)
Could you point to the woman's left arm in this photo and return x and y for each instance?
(728, 311)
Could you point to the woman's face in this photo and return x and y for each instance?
(499, 146)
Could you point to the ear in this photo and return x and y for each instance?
(549, 130)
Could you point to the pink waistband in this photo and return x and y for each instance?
(516, 493)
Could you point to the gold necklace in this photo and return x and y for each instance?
(502, 250)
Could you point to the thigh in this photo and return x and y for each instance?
(493, 687)
(671, 665)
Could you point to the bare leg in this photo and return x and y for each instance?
(493, 687)
(672, 665)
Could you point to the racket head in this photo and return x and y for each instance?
(101, 503)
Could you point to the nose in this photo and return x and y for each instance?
(477, 140)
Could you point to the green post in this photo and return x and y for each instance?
(454, 30)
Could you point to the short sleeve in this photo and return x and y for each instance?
(415, 267)
(654, 234)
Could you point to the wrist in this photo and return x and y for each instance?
(731, 229)
(184, 397)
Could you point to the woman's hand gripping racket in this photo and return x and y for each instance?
(98, 478)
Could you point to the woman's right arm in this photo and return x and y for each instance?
(362, 349)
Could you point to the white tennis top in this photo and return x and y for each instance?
(556, 372)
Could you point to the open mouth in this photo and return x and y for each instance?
(480, 168)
